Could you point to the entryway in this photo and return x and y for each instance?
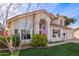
(43, 27)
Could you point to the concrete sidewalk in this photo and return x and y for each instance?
(64, 42)
(54, 44)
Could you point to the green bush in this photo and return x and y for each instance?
(2, 45)
(39, 40)
(15, 39)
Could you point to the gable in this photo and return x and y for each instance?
(30, 13)
(43, 14)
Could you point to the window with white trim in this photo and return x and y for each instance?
(56, 33)
(25, 34)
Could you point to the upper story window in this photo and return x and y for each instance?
(42, 24)
(53, 22)
(61, 22)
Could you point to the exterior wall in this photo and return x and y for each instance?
(76, 34)
(52, 39)
(40, 16)
(61, 34)
(69, 34)
(11, 28)
(62, 20)
(17, 24)
(57, 21)
(29, 21)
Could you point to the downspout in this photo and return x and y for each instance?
(25, 22)
(33, 23)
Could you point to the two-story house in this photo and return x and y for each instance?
(40, 21)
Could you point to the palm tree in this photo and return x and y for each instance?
(69, 20)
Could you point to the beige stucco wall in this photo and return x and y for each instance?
(57, 38)
(40, 16)
(76, 34)
(62, 20)
(69, 34)
(17, 24)
(10, 29)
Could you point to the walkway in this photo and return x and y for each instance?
(22, 47)
(59, 43)
(64, 42)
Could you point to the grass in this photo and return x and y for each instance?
(4, 53)
(70, 49)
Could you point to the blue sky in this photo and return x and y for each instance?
(67, 9)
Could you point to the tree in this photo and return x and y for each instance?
(7, 10)
(33, 23)
(69, 20)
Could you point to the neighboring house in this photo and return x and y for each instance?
(40, 21)
(76, 33)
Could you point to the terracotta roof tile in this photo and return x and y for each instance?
(31, 13)
(77, 28)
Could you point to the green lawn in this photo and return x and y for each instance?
(70, 49)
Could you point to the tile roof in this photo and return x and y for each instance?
(34, 12)
(77, 28)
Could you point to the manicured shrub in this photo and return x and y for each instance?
(39, 40)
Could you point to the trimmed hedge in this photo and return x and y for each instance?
(39, 40)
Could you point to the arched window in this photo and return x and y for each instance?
(42, 24)
(25, 25)
(25, 30)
